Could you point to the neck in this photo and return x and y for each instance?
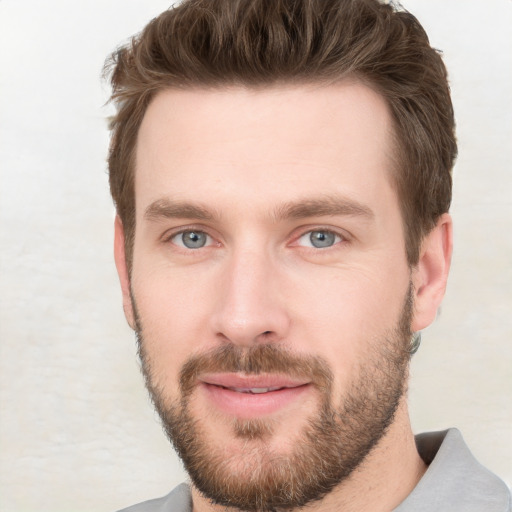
(384, 479)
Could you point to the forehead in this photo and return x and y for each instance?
(263, 144)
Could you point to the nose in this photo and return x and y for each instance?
(251, 306)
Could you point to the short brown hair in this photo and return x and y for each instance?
(254, 43)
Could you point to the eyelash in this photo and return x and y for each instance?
(341, 237)
(337, 237)
(168, 236)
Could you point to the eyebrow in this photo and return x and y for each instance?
(328, 205)
(167, 209)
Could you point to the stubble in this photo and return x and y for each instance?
(328, 446)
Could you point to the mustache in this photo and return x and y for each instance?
(255, 360)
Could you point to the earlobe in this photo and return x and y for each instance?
(431, 273)
(122, 271)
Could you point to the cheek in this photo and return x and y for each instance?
(333, 323)
(340, 316)
(172, 312)
(351, 299)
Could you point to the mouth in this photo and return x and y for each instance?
(251, 396)
(255, 391)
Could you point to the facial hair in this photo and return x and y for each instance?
(329, 445)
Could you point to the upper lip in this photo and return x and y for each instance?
(242, 381)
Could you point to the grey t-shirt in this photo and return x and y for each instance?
(454, 482)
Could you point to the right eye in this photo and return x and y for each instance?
(191, 239)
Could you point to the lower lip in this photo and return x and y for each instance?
(252, 405)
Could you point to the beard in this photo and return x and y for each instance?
(327, 448)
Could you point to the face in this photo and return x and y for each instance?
(270, 287)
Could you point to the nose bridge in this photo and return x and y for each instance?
(249, 308)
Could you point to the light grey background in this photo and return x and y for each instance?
(76, 430)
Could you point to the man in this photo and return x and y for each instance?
(281, 173)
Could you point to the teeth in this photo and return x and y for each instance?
(259, 390)
(255, 391)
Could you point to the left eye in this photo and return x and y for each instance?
(319, 239)
(191, 239)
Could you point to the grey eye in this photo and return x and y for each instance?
(192, 239)
(322, 239)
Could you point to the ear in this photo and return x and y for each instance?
(122, 271)
(431, 273)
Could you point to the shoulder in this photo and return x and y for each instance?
(178, 500)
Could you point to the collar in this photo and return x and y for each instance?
(454, 481)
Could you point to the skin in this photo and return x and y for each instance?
(243, 156)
